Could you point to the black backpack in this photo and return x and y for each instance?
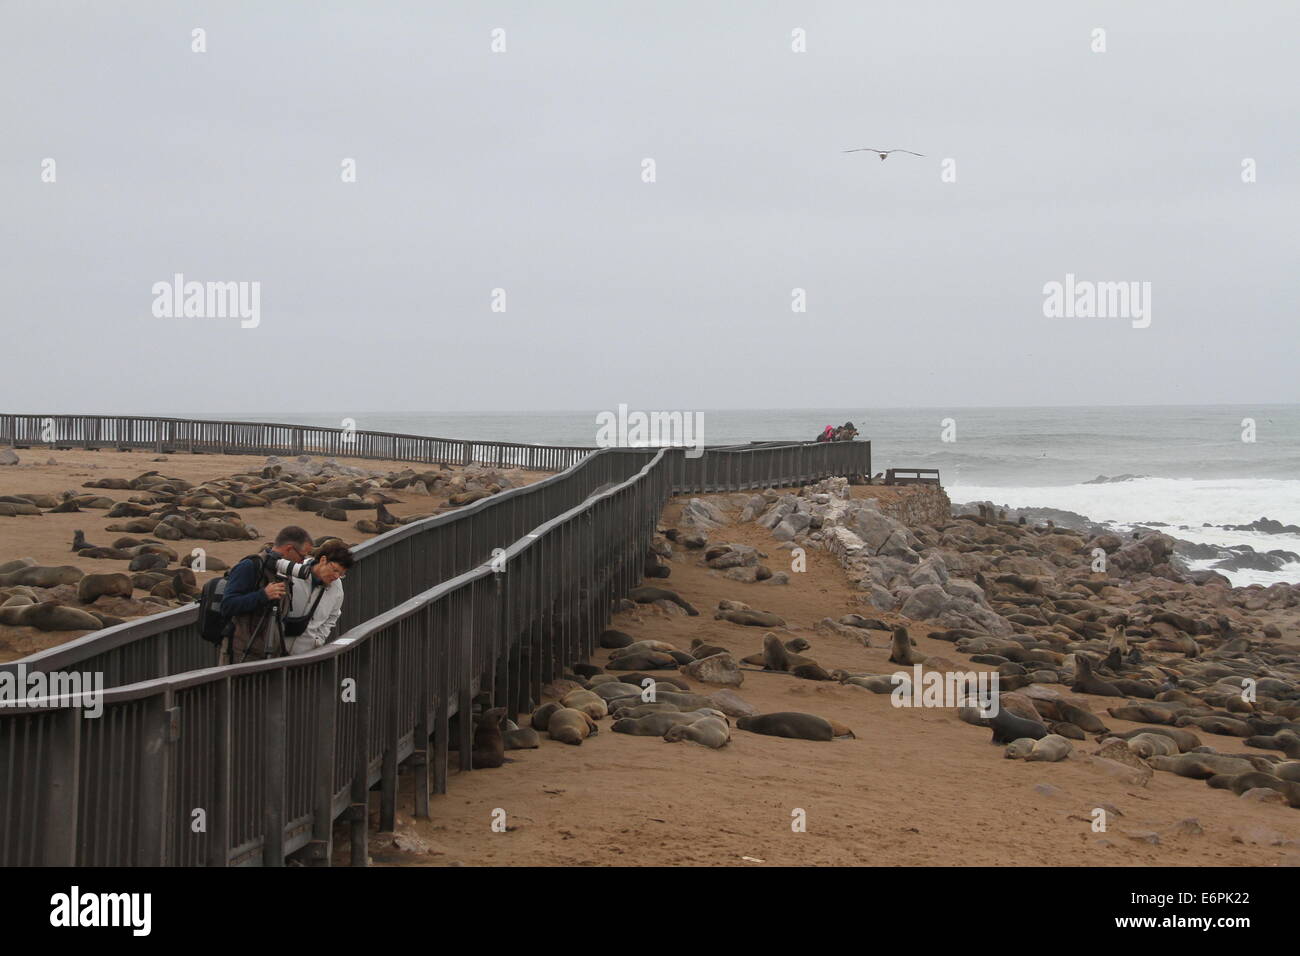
(212, 623)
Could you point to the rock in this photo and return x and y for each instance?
(926, 602)
(1189, 826)
(1264, 795)
(1048, 790)
(698, 513)
(718, 669)
(778, 577)
(1257, 834)
(1145, 836)
(738, 555)
(669, 608)
(1138, 777)
(8, 456)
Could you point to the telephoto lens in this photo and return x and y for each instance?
(284, 568)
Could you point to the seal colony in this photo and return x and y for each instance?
(131, 541)
(736, 691)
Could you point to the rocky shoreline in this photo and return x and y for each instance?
(1242, 557)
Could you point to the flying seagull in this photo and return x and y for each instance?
(884, 153)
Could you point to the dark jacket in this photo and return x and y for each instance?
(255, 628)
(244, 594)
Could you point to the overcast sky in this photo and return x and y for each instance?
(522, 170)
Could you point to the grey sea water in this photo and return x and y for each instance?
(1010, 447)
(1193, 466)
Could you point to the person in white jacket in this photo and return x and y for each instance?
(318, 598)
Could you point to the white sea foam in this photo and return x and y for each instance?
(1184, 504)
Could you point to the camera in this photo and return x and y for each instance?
(285, 569)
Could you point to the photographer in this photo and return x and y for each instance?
(256, 596)
(317, 599)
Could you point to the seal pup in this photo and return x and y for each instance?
(571, 726)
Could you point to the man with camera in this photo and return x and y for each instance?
(256, 598)
(317, 599)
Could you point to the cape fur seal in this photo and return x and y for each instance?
(644, 661)
(49, 616)
(1050, 749)
(542, 715)
(489, 748)
(588, 702)
(1200, 766)
(661, 647)
(708, 731)
(1008, 727)
(1185, 739)
(1085, 682)
(639, 681)
(751, 618)
(648, 595)
(521, 738)
(39, 576)
(654, 724)
(94, 586)
(794, 725)
(571, 726)
(699, 649)
(901, 650)
(615, 639)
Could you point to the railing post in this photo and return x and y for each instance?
(465, 698)
(420, 755)
(388, 768)
(442, 692)
(161, 724)
(219, 816)
(62, 812)
(274, 770)
(327, 709)
(360, 809)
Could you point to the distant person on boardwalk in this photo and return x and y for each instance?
(828, 434)
(846, 432)
(317, 599)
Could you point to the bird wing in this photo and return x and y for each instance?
(861, 149)
(922, 155)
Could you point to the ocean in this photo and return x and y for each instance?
(1194, 468)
